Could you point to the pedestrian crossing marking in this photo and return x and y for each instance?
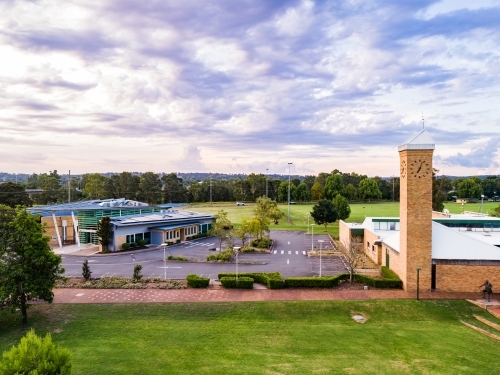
(289, 252)
(275, 252)
(282, 252)
(297, 252)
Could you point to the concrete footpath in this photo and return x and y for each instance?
(212, 294)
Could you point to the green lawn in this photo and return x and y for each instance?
(299, 212)
(400, 337)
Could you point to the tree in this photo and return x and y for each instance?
(220, 228)
(137, 276)
(283, 191)
(352, 254)
(350, 192)
(36, 356)
(302, 193)
(266, 208)
(125, 185)
(309, 181)
(12, 195)
(244, 232)
(324, 213)
(86, 273)
(342, 207)
(334, 185)
(495, 212)
(470, 188)
(104, 232)
(96, 186)
(28, 267)
(173, 189)
(438, 195)
(150, 188)
(368, 188)
(317, 191)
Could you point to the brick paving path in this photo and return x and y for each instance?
(214, 294)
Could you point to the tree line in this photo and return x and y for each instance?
(155, 188)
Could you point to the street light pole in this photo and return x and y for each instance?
(320, 251)
(289, 191)
(267, 179)
(312, 238)
(418, 281)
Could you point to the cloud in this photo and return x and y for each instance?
(478, 157)
(237, 79)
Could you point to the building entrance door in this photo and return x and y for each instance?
(387, 258)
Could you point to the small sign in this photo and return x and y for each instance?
(54, 238)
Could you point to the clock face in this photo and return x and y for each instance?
(419, 168)
(403, 169)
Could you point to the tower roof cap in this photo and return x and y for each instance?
(421, 141)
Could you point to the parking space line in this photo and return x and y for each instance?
(282, 252)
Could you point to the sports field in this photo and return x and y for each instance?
(314, 337)
(299, 213)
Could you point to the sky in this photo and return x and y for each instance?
(247, 86)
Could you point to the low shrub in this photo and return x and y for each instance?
(142, 243)
(243, 282)
(179, 258)
(125, 246)
(133, 244)
(272, 280)
(195, 281)
(315, 282)
(123, 283)
(137, 273)
(199, 235)
(261, 243)
(224, 256)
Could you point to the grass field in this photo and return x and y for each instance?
(300, 212)
(400, 337)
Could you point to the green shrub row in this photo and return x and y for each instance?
(180, 258)
(199, 235)
(272, 280)
(261, 243)
(390, 280)
(224, 256)
(243, 282)
(195, 281)
(315, 282)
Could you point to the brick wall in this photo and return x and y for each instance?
(462, 278)
(368, 243)
(119, 241)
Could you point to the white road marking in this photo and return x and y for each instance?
(275, 252)
(169, 267)
(297, 253)
(289, 242)
(282, 252)
(288, 261)
(304, 252)
(289, 252)
(79, 294)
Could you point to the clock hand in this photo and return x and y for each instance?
(420, 167)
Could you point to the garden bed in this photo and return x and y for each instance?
(121, 283)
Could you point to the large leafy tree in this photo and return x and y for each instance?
(150, 188)
(173, 188)
(125, 185)
(302, 193)
(342, 207)
(334, 185)
(267, 210)
(438, 192)
(12, 194)
(317, 191)
(351, 192)
(368, 189)
(283, 191)
(28, 266)
(96, 186)
(324, 213)
(470, 188)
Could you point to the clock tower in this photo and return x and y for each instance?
(415, 250)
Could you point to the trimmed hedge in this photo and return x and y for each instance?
(125, 246)
(243, 282)
(390, 280)
(315, 282)
(272, 280)
(195, 281)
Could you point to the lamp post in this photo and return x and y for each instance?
(320, 251)
(312, 238)
(236, 249)
(289, 191)
(267, 179)
(482, 199)
(308, 216)
(418, 281)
